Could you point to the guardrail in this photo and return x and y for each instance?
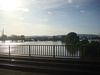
(40, 50)
(69, 51)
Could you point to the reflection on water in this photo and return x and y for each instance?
(8, 42)
(37, 48)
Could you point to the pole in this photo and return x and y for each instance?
(53, 51)
(29, 51)
(9, 50)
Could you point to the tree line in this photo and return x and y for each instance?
(22, 37)
(90, 50)
(12, 37)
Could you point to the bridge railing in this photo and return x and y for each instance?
(40, 50)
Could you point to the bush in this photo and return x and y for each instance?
(91, 50)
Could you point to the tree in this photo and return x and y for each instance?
(63, 38)
(55, 38)
(84, 41)
(22, 37)
(3, 38)
(72, 38)
(14, 37)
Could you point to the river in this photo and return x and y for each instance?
(38, 48)
(33, 43)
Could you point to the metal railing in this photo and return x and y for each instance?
(40, 50)
(69, 51)
(90, 52)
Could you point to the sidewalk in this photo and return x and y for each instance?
(14, 72)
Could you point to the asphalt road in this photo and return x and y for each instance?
(14, 72)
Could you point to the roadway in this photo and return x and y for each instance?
(51, 65)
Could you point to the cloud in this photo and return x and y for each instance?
(33, 0)
(46, 4)
(21, 18)
(77, 6)
(70, 1)
(82, 11)
(23, 9)
(50, 13)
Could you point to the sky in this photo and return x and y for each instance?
(49, 17)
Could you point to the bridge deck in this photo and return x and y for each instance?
(51, 65)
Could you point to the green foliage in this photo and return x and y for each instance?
(63, 39)
(3, 38)
(87, 50)
(72, 38)
(12, 37)
(84, 41)
(91, 50)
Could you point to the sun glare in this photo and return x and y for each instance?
(9, 5)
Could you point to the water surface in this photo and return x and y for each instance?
(38, 48)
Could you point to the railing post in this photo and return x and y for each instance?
(53, 51)
(82, 51)
(9, 50)
(29, 51)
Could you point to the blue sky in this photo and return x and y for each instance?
(49, 17)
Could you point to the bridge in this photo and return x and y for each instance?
(41, 50)
(52, 59)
